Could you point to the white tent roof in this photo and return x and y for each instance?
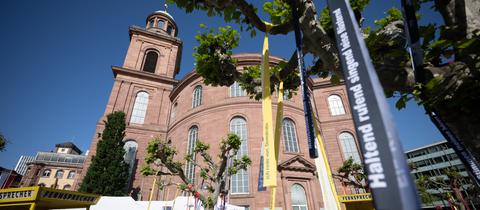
(127, 203)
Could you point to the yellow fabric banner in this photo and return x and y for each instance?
(278, 128)
(330, 197)
(278, 122)
(269, 160)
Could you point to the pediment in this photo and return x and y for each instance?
(297, 163)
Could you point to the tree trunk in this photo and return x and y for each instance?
(463, 204)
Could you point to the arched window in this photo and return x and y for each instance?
(335, 104)
(192, 140)
(139, 108)
(236, 90)
(349, 147)
(59, 174)
(46, 173)
(160, 24)
(299, 198)
(290, 136)
(197, 96)
(130, 148)
(174, 112)
(240, 181)
(286, 95)
(169, 30)
(71, 174)
(67, 187)
(150, 61)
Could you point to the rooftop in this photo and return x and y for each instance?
(69, 145)
(426, 146)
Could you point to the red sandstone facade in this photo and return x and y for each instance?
(169, 115)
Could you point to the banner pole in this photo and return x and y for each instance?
(384, 161)
(152, 191)
(416, 55)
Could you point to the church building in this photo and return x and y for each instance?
(183, 111)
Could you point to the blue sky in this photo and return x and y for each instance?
(56, 58)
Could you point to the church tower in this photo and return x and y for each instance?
(141, 90)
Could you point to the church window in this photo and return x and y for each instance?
(286, 95)
(349, 147)
(236, 90)
(290, 136)
(139, 108)
(192, 141)
(150, 61)
(197, 96)
(240, 181)
(299, 197)
(67, 187)
(335, 104)
(130, 148)
(173, 112)
(160, 24)
(169, 30)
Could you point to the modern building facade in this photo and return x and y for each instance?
(57, 169)
(21, 166)
(183, 111)
(432, 161)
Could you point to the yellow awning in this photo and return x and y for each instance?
(44, 198)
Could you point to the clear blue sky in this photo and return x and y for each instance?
(55, 60)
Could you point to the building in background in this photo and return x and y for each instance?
(9, 178)
(432, 161)
(183, 111)
(57, 169)
(21, 166)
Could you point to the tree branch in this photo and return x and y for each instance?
(208, 159)
(316, 39)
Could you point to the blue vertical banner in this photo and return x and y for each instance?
(312, 150)
(384, 161)
(416, 55)
(260, 187)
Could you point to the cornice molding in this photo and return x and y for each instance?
(143, 75)
(140, 30)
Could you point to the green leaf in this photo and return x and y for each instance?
(401, 103)
(428, 34)
(439, 43)
(393, 14)
(466, 43)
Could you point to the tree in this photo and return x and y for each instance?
(451, 54)
(3, 142)
(108, 173)
(214, 174)
(450, 187)
(424, 186)
(351, 174)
